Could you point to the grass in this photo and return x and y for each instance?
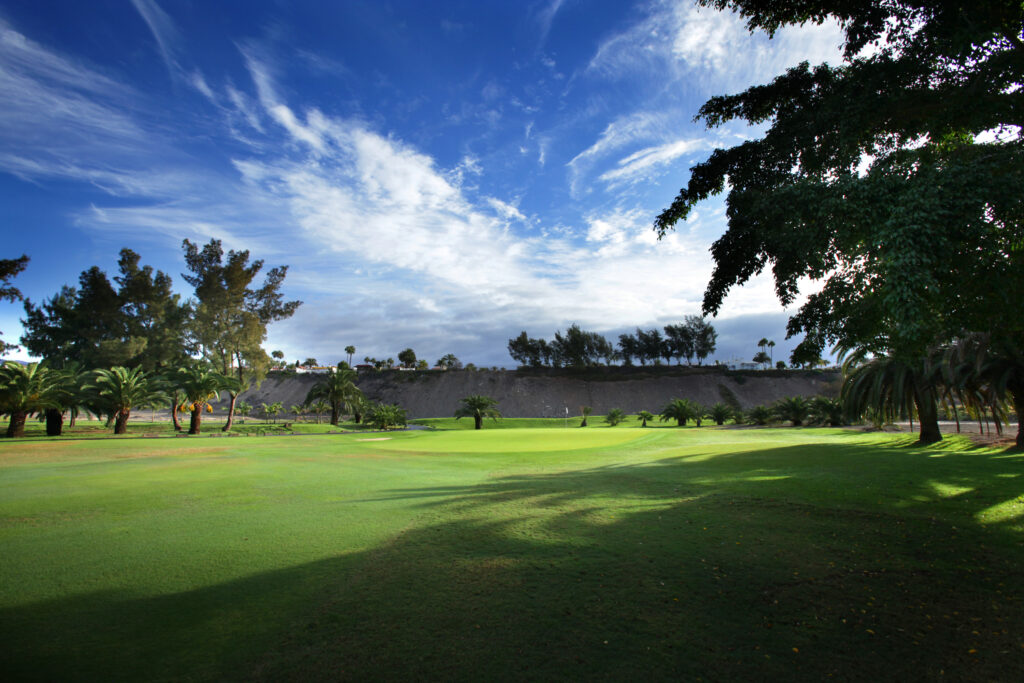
(604, 553)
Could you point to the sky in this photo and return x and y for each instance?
(440, 176)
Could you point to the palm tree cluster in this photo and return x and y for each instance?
(113, 393)
(968, 375)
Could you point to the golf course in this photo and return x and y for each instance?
(535, 553)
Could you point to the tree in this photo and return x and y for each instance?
(9, 268)
(759, 415)
(121, 389)
(681, 410)
(69, 395)
(615, 416)
(310, 363)
(705, 337)
(230, 319)
(271, 410)
(719, 413)
(319, 407)
(887, 178)
(297, 410)
(199, 384)
(644, 416)
(649, 343)
(243, 409)
(407, 358)
(771, 352)
(449, 362)
(350, 350)
(629, 348)
(762, 358)
(793, 409)
(681, 341)
(585, 411)
(478, 407)
(338, 388)
(827, 411)
(893, 388)
(25, 390)
(386, 416)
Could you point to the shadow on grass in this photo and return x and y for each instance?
(797, 562)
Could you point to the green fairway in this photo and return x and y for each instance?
(599, 553)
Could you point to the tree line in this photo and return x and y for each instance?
(114, 345)
(578, 348)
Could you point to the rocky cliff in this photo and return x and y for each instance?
(548, 392)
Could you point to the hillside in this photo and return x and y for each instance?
(548, 392)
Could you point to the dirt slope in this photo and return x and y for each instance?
(547, 393)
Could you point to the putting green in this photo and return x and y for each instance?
(521, 441)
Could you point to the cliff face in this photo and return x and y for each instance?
(547, 393)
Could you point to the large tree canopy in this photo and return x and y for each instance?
(894, 177)
(231, 315)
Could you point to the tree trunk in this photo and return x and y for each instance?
(927, 415)
(231, 413)
(680, 422)
(478, 422)
(54, 422)
(1017, 390)
(174, 412)
(196, 421)
(335, 414)
(16, 427)
(74, 417)
(110, 420)
(121, 422)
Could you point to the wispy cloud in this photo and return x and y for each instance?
(638, 164)
(679, 41)
(163, 30)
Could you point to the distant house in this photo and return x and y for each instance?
(737, 364)
(364, 367)
(314, 369)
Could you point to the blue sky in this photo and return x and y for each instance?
(436, 175)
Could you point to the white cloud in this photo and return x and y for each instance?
(164, 31)
(641, 162)
(683, 42)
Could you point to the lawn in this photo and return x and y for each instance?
(599, 553)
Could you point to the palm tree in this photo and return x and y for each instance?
(350, 350)
(793, 409)
(827, 411)
(319, 408)
(121, 389)
(585, 411)
(681, 410)
(975, 364)
(24, 390)
(198, 384)
(614, 417)
(894, 387)
(385, 416)
(759, 415)
(644, 417)
(243, 409)
(338, 388)
(298, 410)
(273, 409)
(720, 412)
(771, 351)
(478, 407)
(68, 383)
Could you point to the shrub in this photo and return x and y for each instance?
(614, 417)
